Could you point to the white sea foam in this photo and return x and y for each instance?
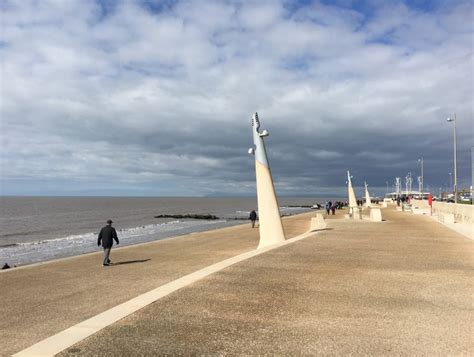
(30, 252)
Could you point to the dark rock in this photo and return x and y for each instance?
(188, 216)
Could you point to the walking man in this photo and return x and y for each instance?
(328, 207)
(253, 217)
(107, 236)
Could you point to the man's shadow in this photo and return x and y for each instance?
(131, 262)
(322, 229)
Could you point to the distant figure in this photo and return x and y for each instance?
(328, 207)
(253, 217)
(6, 266)
(398, 201)
(107, 236)
(333, 208)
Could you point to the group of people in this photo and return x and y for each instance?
(403, 199)
(331, 207)
(360, 203)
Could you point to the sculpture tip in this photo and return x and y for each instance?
(255, 121)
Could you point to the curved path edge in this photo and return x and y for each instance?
(66, 338)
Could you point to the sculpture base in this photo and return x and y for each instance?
(354, 213)
(375, 214)
(317, 222)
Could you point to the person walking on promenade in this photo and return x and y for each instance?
(333, 208)
(253, 217)
(328, 207)
(107, 235)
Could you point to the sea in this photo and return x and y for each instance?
(38, 229)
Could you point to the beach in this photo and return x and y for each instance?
(402, 286)
(37, 229)
(44, 299)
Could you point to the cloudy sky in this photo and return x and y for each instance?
(105, 97)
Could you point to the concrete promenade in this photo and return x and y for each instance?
(42, 300)
(403, 286)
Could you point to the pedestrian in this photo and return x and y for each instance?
(107, 236)
(253, 217)
(333, 208)
(328, 207)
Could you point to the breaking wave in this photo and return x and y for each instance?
(48, 249)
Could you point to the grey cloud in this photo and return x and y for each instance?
(161, 102)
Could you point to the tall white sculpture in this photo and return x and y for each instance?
(408, 182)
(271, 228)
(368, 202)
(420, 184)
(398, 185)
(353, 209)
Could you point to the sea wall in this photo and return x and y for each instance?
(462, 213)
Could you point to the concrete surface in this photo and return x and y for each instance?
(67, 338)
(42, 300)
(400, 287)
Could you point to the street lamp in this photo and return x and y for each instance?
(421, 183)
(455, 161)
(451, 182)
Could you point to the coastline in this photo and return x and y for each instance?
(38, 229)
(116, 248)
(208, 226)
(58, 294)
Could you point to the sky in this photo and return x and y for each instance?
(155, 98)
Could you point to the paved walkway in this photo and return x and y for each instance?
(399, 287)
(42, 300)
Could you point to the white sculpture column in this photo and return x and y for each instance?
(368, 202)
(270, 226)
(353, 208)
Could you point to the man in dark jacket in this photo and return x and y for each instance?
(107, 235)
(253, 217)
